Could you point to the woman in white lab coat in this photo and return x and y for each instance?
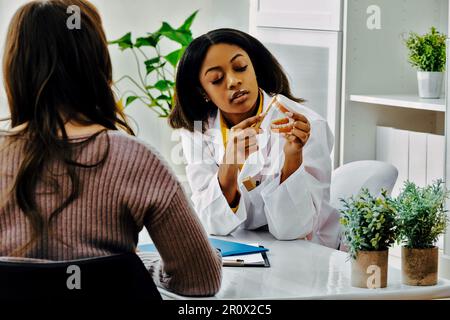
(224, 84)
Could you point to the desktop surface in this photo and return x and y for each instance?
(304, 270)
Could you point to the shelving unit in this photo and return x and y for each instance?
(379, 86)
(402, 100)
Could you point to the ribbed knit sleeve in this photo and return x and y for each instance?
(189, 266)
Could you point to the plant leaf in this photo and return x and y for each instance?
(427, 52)
(187, 24)
(368, 222)
(183, 37)
(150, 41)
(153, 60)
(174, 57)
(150, 68)
(163, 85)
(163, 97)
(421, 214)
(124, 42)
(130, 99)
(150, 64)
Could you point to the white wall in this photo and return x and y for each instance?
(140, 17)
(230, 14)
(7, 9)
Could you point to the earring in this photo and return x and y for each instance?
(206, 98)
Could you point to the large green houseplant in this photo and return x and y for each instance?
(155, 83)
(369, 230)
(421, 220)
(427, 55)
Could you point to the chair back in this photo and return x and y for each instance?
(349, 179)
(121, 277)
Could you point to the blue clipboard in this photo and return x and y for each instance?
(230, 248)
(226, 248)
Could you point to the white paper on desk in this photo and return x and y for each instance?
(246, 258)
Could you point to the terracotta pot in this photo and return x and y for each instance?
(420, 266)
(369, 269)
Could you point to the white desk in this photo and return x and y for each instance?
(303, 270)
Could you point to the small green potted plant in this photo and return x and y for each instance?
(421, 219)
(369, 230)
(427, 55)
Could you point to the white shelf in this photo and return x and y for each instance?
(403, 101)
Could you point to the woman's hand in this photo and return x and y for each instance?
(241, 143)
(295, 141)
(298, 137)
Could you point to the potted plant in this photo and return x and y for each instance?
(427, 54)
(155, 83)
(421, 219)
(369, 230)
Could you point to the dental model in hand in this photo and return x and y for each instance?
(285, 124)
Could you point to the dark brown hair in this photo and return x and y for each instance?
(190, 105)
(54, 74)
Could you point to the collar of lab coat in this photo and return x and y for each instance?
(254, 163)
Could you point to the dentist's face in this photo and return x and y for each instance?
(228, 79)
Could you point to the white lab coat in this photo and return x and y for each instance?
(294, 209)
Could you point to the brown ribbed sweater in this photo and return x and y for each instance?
(131, 189)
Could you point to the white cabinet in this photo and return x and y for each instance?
(306, 38)
(299, 14)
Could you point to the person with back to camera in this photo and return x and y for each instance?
(74, 182)
(240, 124)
